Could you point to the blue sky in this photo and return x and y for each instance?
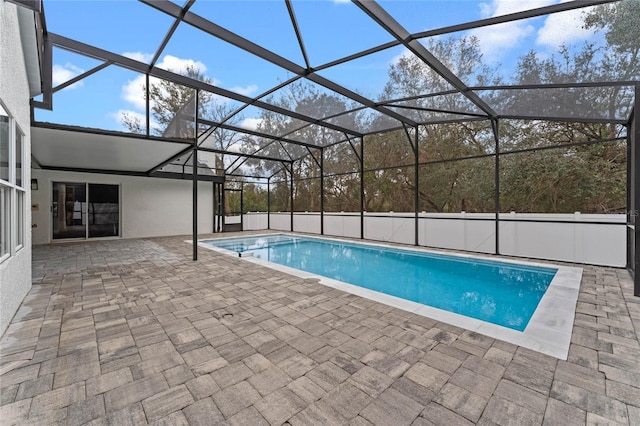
(330, 29)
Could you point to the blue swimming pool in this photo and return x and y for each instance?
(501, 293)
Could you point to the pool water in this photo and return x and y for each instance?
(501, 293)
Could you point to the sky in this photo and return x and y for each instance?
(331, 29)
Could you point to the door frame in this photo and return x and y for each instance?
(86, 227)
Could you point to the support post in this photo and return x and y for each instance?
(496, 202)
(416, 198)
(635, 140)
(194, 158)
(223, 210)
(630, 202)
(362, 187)
(321, 191)
(291, 203)
(148, 107)
(215, 197)
(269, 203)
(242, 206)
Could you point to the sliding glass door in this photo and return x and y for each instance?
(81, 210)
(69, 207)
(104, 211)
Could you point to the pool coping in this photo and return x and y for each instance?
(549, 329)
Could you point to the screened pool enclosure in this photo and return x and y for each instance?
(341, 118)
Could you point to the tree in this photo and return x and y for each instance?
(173, 108)
(167, 100)
(443, 187)
(309, 100)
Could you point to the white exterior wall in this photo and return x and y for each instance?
(580, 243)
(306, 222)
(342, 224)
(255, 221)
(281, 221)
(149, 207)
(15, 272)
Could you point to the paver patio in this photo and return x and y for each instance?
(134, 332)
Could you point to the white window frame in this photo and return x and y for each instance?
(14, 224)
(20, 201)
(5, 206)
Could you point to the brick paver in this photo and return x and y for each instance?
(133, 332)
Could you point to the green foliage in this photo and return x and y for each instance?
(544, 166)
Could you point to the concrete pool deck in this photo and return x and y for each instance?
(548, 330)
(134, 332)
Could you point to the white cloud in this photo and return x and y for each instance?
(563, 28)
(496, 40)
(139, 56)
(63, 73)
(247, 91)
(178, 65)
(251, 123)
(396, 59)
(133, 92)
(505, 7)
(130, 114)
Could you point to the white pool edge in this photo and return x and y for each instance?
(549, 329)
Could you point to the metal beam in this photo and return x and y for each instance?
(194, 182)
(169, 34)
(378, 14)
(496, 200)
(213, 29)
(35, 5)
(526, 14)
(566, 119)
(596, 84)
(416, 194)
(81, 76)
(359, 98)
(99, 171)
(238, 154)
(532, 13)
(170, 160)
(361, 158)
(443, 111)
(635, 141)
(269, 203)
(53, 126)
(47, 73)
(209, 27)
(256, 133)
(296, 29)
(215, 126)
(141, 67)
(321, 191)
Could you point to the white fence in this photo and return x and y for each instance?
(602, 243)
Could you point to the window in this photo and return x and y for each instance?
(4, 146)
(19, 149)
(13, 196)
(20, 219)
(5, 210)
(85, 210)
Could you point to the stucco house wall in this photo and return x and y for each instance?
(149, 207)
(15, 272)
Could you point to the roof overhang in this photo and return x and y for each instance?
(66, 148)
(31, 29)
